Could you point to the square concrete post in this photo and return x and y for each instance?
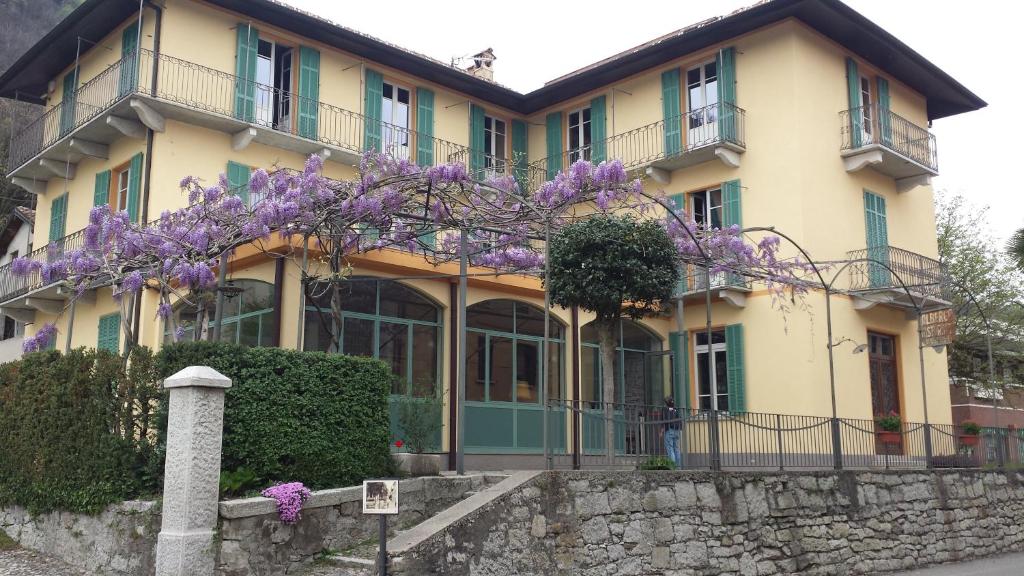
(195, 422)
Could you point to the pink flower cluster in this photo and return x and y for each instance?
(290, 497)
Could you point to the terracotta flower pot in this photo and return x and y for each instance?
(886, 437)
(969, 440)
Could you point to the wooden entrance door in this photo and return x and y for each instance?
(885, 395)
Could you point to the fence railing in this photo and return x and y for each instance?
(661, 140)
(753, 440)
(866, 125)
(697, 278)
(12, 286)
(924, 276)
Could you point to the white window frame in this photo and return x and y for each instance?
(399, 136)
(867, 100)
(583, 152)
(708, 206)
(714, 390)
(494, 162)
(121, 193)
(706, 116)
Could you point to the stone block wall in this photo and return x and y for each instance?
(253, 540)
(676, 523)
(120, 541)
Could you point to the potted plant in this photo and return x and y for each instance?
(889, 428)
(419, 420)
(969, 433)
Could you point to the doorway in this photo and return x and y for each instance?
(273, 85)
(885, 394)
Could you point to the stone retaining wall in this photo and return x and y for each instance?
(591, 523)
(255, 541)
(120, 541)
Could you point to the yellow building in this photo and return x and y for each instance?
(797, 114)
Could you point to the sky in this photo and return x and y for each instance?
(976, 42)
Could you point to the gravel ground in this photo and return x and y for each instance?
(21, 562)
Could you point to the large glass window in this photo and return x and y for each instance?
(702, 103)
(395, 108)
(249, 317)
(634, 344)
(494, 145)
(504, 359)
(712, 376)
(381, 319)
(706, 208)
(579, 135)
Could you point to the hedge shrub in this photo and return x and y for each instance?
(75, 430)
(320, 419)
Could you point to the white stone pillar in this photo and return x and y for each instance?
(195, 422)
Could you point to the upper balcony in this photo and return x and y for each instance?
(890, 144)
(914, 281)
(22, 296)
(715, 131)
(132, 95)
(726, 286)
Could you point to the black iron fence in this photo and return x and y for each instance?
(867, 125)
(762, 441)
(662, 140)
(924, 276)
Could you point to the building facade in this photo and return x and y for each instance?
(797, 114)
(15, 241)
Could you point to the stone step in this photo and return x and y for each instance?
(342, 565)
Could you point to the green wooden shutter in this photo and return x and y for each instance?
(245, 71)
(520, 157)
(683, 283)
(101, 193)
(856, 127)
(238, 180)
(670, 112)
(110, 333)
(67, 103)
(598, 130)
(734, 364)
(884, 120)
(554, 143)
(134, 184)
(58, 217)
(424, 127)
(476, 140)
(732, 207)
(128, 80)
(726, 60)
(680, 347)
(877, 232)
(309, 91)
(374, 109)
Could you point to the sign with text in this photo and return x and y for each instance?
(380, 497)
(938, 328)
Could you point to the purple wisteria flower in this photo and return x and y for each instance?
(44, 337)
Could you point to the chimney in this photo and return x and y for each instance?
(483, 65)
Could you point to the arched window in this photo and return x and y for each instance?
(503, 353)
(249, 317)
(638, 373)
(381, 319)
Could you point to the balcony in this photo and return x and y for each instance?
(22, 296)
(716, 131)
(888, 143)
(131, 96)
(732, 288)
(925, 278)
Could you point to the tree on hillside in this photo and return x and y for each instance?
(612, 266)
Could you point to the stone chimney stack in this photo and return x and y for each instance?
(483, 65)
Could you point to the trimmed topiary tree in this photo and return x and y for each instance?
(612, 266)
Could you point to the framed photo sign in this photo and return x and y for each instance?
(380, 497)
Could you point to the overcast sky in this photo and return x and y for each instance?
(977, 42)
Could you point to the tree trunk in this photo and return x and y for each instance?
(606, 339)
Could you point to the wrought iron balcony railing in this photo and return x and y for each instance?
(869, 125)
(696, 278)
(13, 286)
(925, 277)
(199, 88)
(661, 141)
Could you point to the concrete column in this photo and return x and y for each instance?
(195, 421)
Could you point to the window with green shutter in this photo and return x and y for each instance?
(68, 102)
(110, 333)
(680, 346)
(309, 91)
(877, 235)
(732, 208)
(884, 120)
(424, 127)
(373, 111)
(58, 217)
(554, 144)
(670, 102)
(245, 71)
(520, 157)
(134, 186)
(128, 80)
(683, 283)
(101, 192)
(735, 364)
(598, 130)
(477, 139)
(726, 61)
(238, 180)
(856, 126)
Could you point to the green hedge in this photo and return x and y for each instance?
(70, 429)
(321, 419)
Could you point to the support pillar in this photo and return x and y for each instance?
(185, 546)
